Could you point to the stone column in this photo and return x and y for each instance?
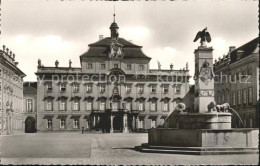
(94, 121)
(204, 81)
(134, 123)
(111, 124)
(125, 124)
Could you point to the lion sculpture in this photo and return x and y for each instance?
(219, 108)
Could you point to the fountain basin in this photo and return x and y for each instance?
(201, 141)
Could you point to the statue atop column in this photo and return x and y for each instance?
(204, 37)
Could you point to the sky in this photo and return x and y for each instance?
(61, 30)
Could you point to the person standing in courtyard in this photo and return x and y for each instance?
(82, 130)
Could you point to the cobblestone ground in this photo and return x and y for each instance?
(117, 148)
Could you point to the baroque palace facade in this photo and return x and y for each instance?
(114, 90)
(238, 82)
(11, 93)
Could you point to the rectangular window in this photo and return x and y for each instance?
(153, 123)
(76, 123)
(250, 95)
(115, 65)
(75, 88)
(102, 88)
(62, 105)
(29, 105)
(128, 67)
(140, 89)
(153, 89)
(165, 106)
(141, 67)
(141, 106)
(153, 106)
(234, 98)
(141, 123)
(239, 97)
(102, 106)
(49, 87)
(115, 105)
(62, 123)
(249, 70)
(103, 66)
(89, 88)
(90, 66)
(49, 123)
(62, 87)
(75, 105)
(49, 105)
(244, 96)
(128, 106)
(165, 89)
(89, 106)
(128, 88)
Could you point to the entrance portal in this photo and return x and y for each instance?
(118, 123)
(30, 125)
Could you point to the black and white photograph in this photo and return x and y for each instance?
(139, 82)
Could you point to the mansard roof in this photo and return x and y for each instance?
(107, 41)
(246, 50)
(102, 47)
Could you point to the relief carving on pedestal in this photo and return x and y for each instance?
(206, 73)
(204, 93)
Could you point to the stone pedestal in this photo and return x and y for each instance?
(204, 81)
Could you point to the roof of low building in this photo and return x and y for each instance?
(30, 88)
(246, 50)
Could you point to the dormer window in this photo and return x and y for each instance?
(141, 67)
(128, 67)
(115, 65)
(90, 66)
(103, 66)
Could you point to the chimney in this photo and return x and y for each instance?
(4, 47)
(16, 63)
(232, 48)
(100, 37)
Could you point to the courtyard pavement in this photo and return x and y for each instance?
(88, 148)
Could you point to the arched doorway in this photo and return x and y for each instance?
(118, 123)
(30, 125)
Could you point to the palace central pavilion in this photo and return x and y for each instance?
(114, 90)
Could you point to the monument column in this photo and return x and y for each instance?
(204, 79)
(111, 124)
(94, 121)
(125, 124)
(134, 123)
